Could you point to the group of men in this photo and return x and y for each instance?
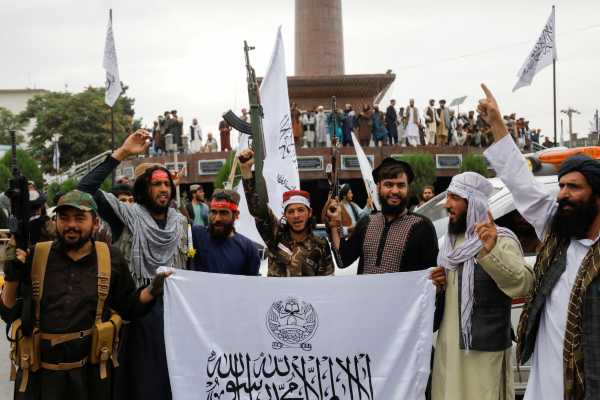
(61, 297)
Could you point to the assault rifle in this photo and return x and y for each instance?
(254, 128)
(333, 177)
(18, 193)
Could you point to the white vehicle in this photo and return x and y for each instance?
(505, 214)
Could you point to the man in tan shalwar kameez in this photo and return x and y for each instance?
(484, 270)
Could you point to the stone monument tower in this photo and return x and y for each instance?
(319, 38)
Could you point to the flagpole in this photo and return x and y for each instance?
(554, 78)
(112, 139)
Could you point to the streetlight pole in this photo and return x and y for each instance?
(569, 112)
(172, 146)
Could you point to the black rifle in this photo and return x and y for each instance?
(255, 129)
(333, 178)
(18, 193)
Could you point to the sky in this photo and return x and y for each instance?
(187, 54)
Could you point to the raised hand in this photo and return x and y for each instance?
(490, 113)
(487, 232)
(334, 213)
(246, 159)
(136, 143)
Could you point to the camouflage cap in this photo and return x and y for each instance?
(77, 199)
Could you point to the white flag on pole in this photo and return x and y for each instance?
(287, 338)
(280, 168)
(56, 157)
(109, 63)
(542, 55)
(366, 170)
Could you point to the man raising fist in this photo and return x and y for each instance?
(292, 247)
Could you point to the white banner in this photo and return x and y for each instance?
(281, 166)
(239, 338)
(542, 55)
(367, 172)
(109, 63)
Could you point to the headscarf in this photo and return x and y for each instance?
(476, 190)
(587, 166)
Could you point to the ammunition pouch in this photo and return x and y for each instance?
(105, 343)
(24, 353)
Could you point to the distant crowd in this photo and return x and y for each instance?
(434, 125)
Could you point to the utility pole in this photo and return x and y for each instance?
(597, 123)
(569, 112)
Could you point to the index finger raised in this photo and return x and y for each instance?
(488, 93)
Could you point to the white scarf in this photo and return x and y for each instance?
(475, 189)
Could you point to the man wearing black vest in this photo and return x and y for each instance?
(393, 240)
(484, 269)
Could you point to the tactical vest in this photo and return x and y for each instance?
(25, 350)
(491, 329)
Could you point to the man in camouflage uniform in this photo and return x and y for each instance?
(292, 247)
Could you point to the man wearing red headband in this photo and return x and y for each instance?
(219, 248)
(293, 249)
(151, 234)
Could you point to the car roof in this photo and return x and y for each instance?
(501, 202)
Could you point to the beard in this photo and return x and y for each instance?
(388, 209)
(576, 222)
(157, 209)
(83, 239)
(459, 226)
(223, 232)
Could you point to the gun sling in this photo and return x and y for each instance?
(26, 349)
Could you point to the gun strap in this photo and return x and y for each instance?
(38, 271)
(103, 258)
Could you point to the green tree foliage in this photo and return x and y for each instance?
(475, 163)
(423, 166)
(71, 184)
(27, 165)
(9, 121)
(83, 120)
(223, 174)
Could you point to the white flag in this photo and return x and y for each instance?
(236, 337)
(280, 168)
(542, 55)
(56, 157)
(367, 172)
(109, 63)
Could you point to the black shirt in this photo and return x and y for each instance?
(70, 292)
(416, 251)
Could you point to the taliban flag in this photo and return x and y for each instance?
(281, 166)
(109, 63)
(542, 55)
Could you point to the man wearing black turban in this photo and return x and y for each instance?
(560, 324)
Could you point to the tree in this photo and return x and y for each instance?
(82, 120)
(475, 163)
(27, 165)
(223, 173)
(423, 166)
(9, 121)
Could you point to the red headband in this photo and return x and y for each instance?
(159, 174)
(223, 204)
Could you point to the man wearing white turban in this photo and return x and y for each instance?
(484, 269)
